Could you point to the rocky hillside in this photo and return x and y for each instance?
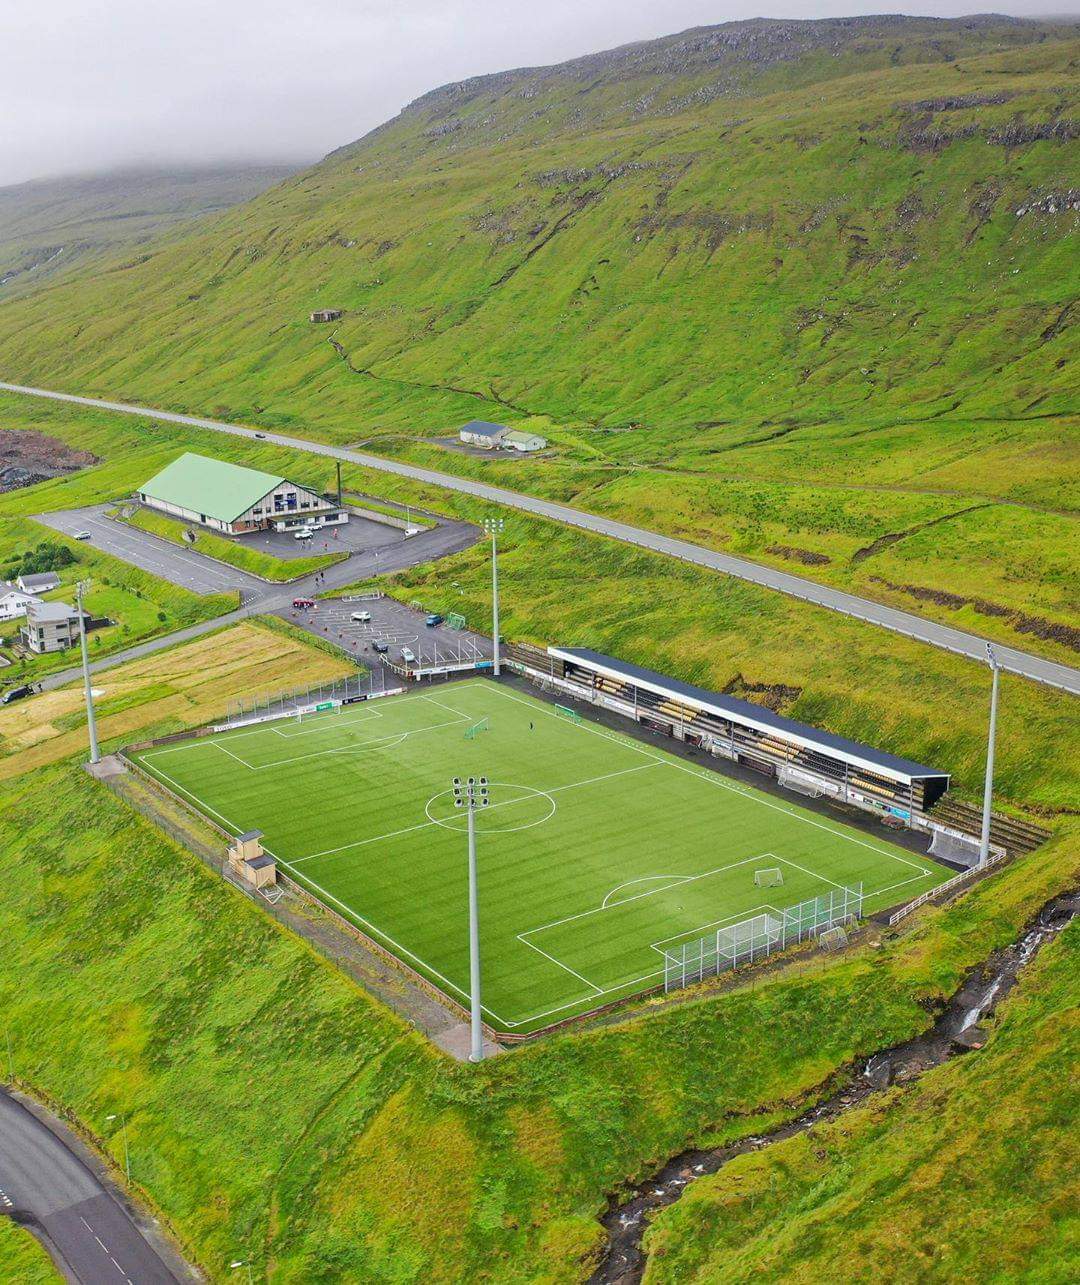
(50, 225)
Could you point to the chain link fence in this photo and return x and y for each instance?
(760, 936)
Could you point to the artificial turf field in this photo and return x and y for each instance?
(595, 851)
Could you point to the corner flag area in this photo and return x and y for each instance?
(597, 854)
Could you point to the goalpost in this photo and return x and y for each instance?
(474, 731)
(455, 620)
(770, 877)
(959, 849)
(564, 711)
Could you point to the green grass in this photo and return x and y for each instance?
(768, 318)
(849, 1201)
(139, 604)
(22, 1259)
(595, 848)
(234, 552)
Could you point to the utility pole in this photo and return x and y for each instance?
(339, 483)
(127, 1156)
(988, 785)
(473, 794)
(91, 724)
(493, 526)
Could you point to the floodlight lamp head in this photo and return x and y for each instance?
(483, 782)
(458, 801)
(990, 657)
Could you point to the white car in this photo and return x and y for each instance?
(305, 534)
(362, 617)
(407, 656)
(81, 535)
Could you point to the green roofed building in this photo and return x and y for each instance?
(233, 499)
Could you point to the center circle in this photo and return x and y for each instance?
(506, 801)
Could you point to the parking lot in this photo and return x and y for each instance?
(393, 623)
(358, 535)
(172, 562)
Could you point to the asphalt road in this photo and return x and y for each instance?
(185, 566)
(54, 1194)
(1037, 668)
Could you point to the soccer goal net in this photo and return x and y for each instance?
(454, 620)
(564, 711)
(770, 877)
(833, 938)
(473, 732)
(799, 784)
(959, 850)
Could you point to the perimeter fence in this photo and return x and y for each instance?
(756, 938)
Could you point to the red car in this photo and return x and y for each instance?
(302, 603)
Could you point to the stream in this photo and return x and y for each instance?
(955, 1030)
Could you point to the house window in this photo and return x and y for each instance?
(290, 500)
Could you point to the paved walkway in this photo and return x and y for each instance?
(1037, 668)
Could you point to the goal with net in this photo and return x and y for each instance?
(770, 877)
(957, 849)
(454, 620)
(564, 711)
(473, 732)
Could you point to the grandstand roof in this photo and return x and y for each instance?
(757, 716)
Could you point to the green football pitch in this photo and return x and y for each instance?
(596, 852)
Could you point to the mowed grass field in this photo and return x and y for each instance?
(595, 852)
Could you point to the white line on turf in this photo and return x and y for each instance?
(712, 779)
(559, 964)
(506, 803)
(640, 896)
(644, 879)
(738, 916)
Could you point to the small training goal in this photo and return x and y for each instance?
(564, 711)
(834, 938)
(770, 877)
(799, 784)
(473, 732)
(957, 849)
(454, 620)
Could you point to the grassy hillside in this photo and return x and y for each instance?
(326, 1109)
(49, 227)
(850, 1199)
(801, 290)
(22, 1259)
(559, 585)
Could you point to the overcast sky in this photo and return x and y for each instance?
(95, 84)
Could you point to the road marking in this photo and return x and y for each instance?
(106, 1251)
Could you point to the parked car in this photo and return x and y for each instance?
(261, 435)
(81, 535)
(407, 656)
(434, 620)
(362, 617)
(14, 694)
(302, 604)
(382, 647)
(305, 534)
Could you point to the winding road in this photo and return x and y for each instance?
(48, 1188)
(1037, 668)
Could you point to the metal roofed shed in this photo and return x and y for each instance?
(518, 440)
(482, 433)
(40, 582)
(230, 498)
(803, 758)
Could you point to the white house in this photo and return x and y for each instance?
(13, 603)
(517, 440)
(42, 582)
(50, 626)
(478, 432)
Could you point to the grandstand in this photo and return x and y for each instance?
(601, 857)
(804, 759)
